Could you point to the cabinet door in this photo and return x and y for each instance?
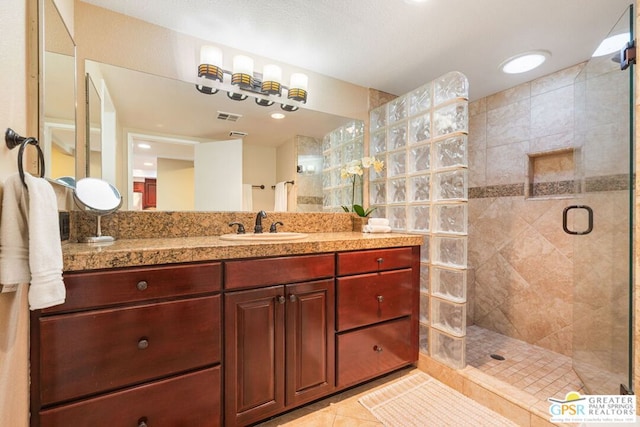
(310, 336)
(254, 354)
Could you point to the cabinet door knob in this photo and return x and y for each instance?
(380, 260)
(377, 348)
(380, 298)
(143, 343)
(281, 299)
(142, 285)
(292, 298)
(142, 422)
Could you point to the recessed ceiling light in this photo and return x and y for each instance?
(524, 62)
(611, 44)
(145, 146)
(277, 116)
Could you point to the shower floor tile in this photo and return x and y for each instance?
(535, 370)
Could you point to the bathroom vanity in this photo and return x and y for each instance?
(221, 333)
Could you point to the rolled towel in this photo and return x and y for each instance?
(377, 229)
(378, 221)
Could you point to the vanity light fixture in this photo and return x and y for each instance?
(266, 85)
(144, 146)
(524, 62)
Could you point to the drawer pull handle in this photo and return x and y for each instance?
(380, 260)
(380, 298)
(143, 343)
(142, 422)
(280, 299)
(377, 348)
(292, 298)
(142, 285)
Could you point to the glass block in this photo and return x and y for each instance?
(420, 129)
(378, 142)
(397, 136)
(396, 191)
(449, 284)
(450, 251)
(451, 218)
(397, 109)
(420, 100)
(420, 190)
(449, 317)
(419, 218)
(326, 179)
(451, 86)
(336, 157)
(358, 128)
(326, 199)
(423, 337)
(451, 119)
(336, 178)
(425, 250)
(451, 185)
(349, 131)
(378, 193)
(326, 142)
(425, 280)
(397, 163)
(397, 217)
(378, 118)
(447, 349)
(326, 160)
(349, 152)
(451, 152)
(424, 308)
(420, 158)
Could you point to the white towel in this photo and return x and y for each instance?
(376, 229)
(281, 197)
(247, 197)
(30, 247)
(378, 221)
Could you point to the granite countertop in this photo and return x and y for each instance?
(139, 252)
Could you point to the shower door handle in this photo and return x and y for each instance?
(565, 213)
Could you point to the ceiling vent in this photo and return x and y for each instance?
(238, 134)
(230, 117)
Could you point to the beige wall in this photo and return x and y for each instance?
(259, 168)
(175, 185)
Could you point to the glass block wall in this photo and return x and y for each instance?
(339, 148)
(422, 138)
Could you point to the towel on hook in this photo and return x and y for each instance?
(30, 247)
(281, 197)
(247, 197)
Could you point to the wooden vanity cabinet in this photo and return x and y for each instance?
(279, 339)
(377, 312)
(138, 346)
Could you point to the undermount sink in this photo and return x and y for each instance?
(264, 237)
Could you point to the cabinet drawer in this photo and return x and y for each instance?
(277, 271)
(191, 399)
(375, 260)
(372, 351)
(96, 289)
(96, 351)
(371, 298)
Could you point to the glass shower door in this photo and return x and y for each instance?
(602, 217)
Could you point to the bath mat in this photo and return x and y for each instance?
(422, 401)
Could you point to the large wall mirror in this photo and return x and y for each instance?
(175, 148)
(58, 100)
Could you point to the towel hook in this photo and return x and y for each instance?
(12, 139)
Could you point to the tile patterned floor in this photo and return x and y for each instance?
(535, 370)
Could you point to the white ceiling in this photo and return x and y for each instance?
(394, 45)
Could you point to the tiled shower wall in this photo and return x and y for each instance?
(520, 260)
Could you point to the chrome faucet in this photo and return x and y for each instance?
(258, 228)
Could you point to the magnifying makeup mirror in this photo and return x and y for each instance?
(99, 198)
